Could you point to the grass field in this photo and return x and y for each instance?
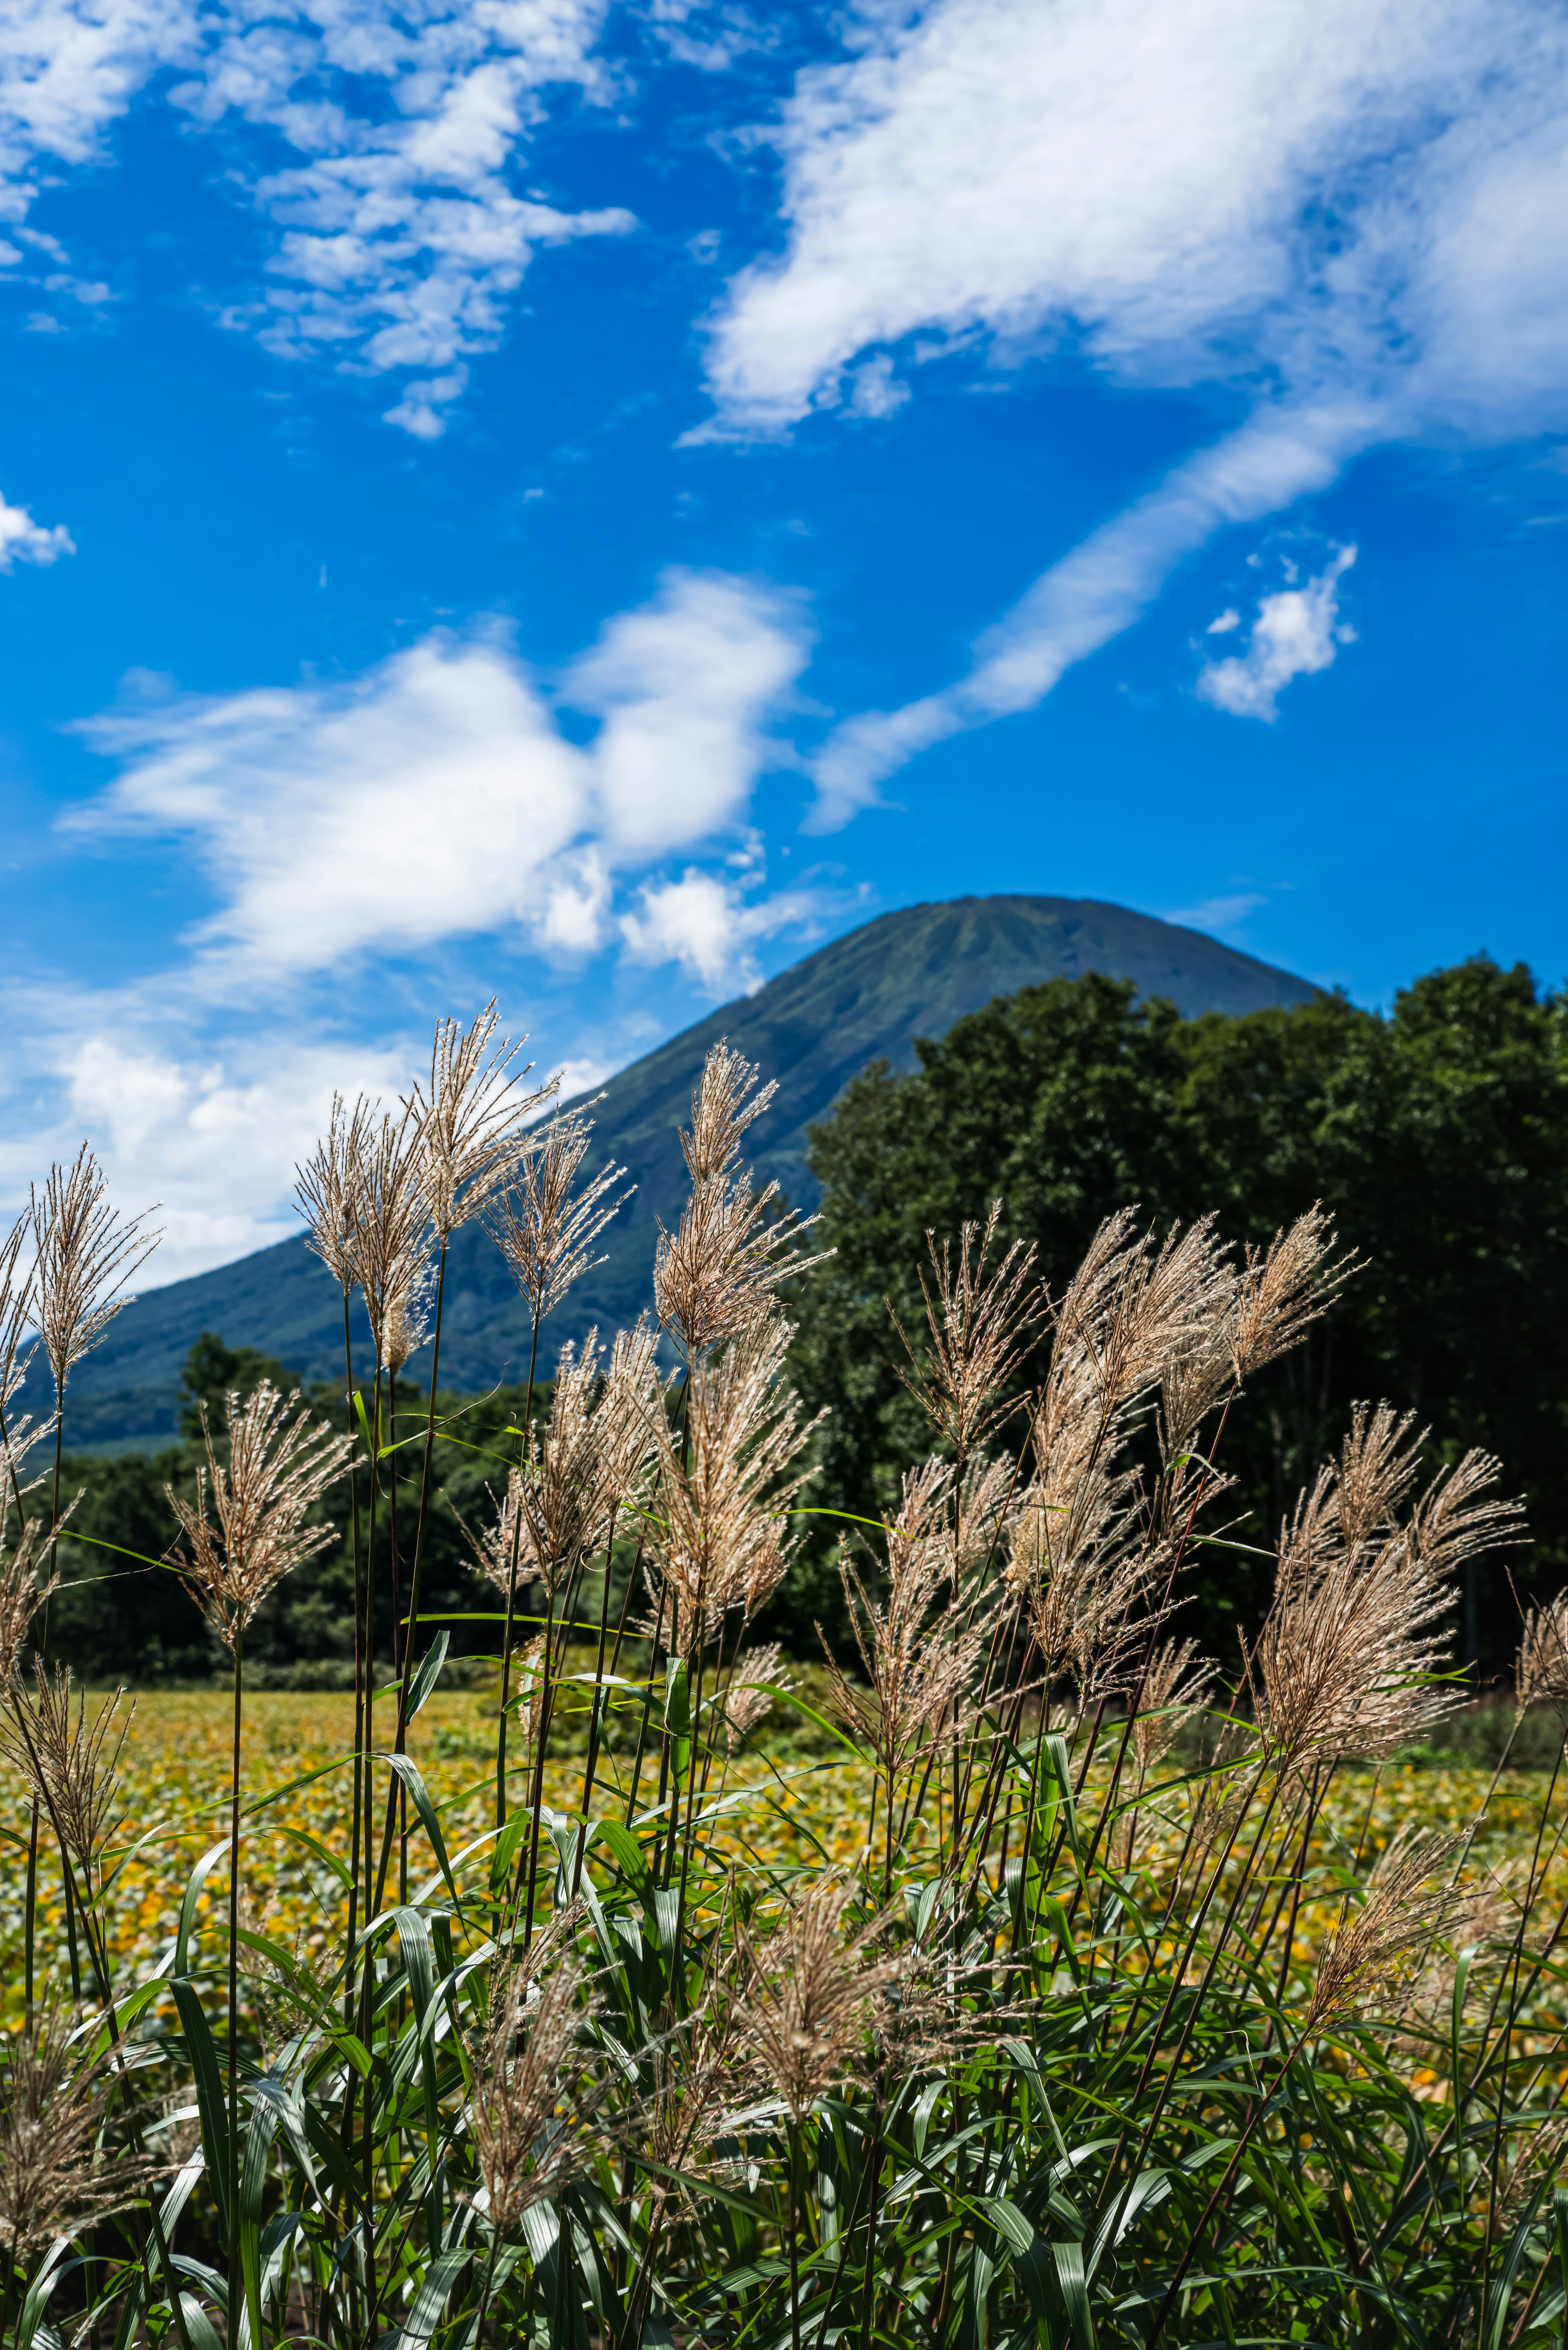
(784, 1805)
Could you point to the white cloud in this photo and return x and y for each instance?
(1296, 633)
(708, 925)
(23, 540)
(209, 1132)
(398, 237)
(1188, 192)
(436, 796)
(1223, 622)
(1219, 914)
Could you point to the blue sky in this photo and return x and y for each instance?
(583, 503)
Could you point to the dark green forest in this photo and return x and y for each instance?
(1437, 1135)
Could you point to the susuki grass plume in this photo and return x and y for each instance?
(87, 1253)
(1102, 2031)
(716, 1277)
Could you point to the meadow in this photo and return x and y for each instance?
(1030, 1978)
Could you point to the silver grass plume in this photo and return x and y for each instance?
(1177, 1684)
(748, 1691)
(591, 1455)
(1368, 1957)
(328, 1187)
(21, 1594)
(718, 1275)
(71, 1762)
(545, 1232)
(1253, 1314)
(537, 2085)
(19, 1431)
(1542, 1672)
(1343, 1664)
(86, 1253)
(919, 1659)
(814, 1996)
(56, 2174)
(719, 1538)
(389, 1250)
(468, 1119)
(979, 1324)
(279, 1465)
(1079, 1556)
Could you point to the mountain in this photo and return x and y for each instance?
(906, 974)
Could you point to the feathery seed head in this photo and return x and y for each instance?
(86, 1251)
(21, 1594)
(72, 1762)
(813, 1995)
(1542, 1670)
(543, 1232)
(1176, 1689)
(388, 1248)
(1344, 1662)
(748, 1694)
(979, 1324)
(1369, 1955)
(468, 1123)
(536, 2088)
(719, 1539)
(717, 1276)
(55, 2174)
(279, 1466)
(327, 1187)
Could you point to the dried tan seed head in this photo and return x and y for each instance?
(86, 1251)
(56, 2175)
(717, 1276)
(748, 1694)
(1176, 1690)
(389, 1246)
(280, 1464)
(72, 1762)
(21, 1594)
(327, 1187)
(920, 1655)
(537, 2088)
(469, 1120)
(813, 1995)
(1369, 1956)
(979, 1324)
(1346, 1661)
(546, 1233)
(1541, 1673)
(717, 1535)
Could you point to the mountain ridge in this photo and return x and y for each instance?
(863, 997)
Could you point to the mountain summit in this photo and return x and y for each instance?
(865, 997)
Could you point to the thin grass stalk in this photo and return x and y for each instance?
(235, 1968)
(405, 1679)
(511, 1593)
(1511, 2010)
(594, 1713)
(97, 1956)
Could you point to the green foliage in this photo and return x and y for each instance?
(1438, 1136)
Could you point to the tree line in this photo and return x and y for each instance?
(1435, 1134)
